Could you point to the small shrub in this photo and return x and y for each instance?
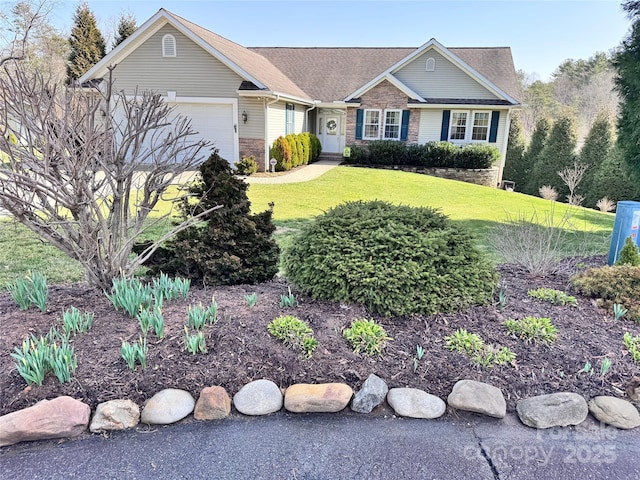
(359, 155)
(366, 336)
(632, 344)
(494, 355)
(395, 260)
(548, 193)
(612, 285)
(477, 156)
(247, 166)
(556, 297)
(533, 329)
(441, 154)
(295, 154)
(294, 333)
(629, 253)
(387, 152)
(281, 151)
(606, 205)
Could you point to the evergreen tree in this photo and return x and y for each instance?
(613, 179)
(126, 26)
(86, 42)
(538, 141)
(233, 246)
(627, 64)
(594, 151)
(515, 168)
(558, 153)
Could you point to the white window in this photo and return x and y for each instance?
(169, 46)
(290, 115)
(480, 130)
(392, 122)
(371, 124)
(466, 126)
(458, 127)
(431, 64)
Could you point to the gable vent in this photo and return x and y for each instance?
(168, 46)
(431, 64)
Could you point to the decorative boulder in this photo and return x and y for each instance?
(414, 403)
(553, 410)
(260, 397)
(115, 415)
(213, 404)
(61, 417)
(167, 406)
(324, 397)
(478, 397)
(615, 411)
(373, 392)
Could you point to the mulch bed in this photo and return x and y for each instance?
(241, 350)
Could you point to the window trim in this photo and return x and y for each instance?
(289, 118)
(399, 124)
(169, 38)
(469, 124)
(364, 123)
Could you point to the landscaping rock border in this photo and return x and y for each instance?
(263, 397)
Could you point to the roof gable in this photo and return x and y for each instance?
(454, 59)
(249, 65)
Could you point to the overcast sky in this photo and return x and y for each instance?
(540, 33)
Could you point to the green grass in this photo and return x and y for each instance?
(477, 208)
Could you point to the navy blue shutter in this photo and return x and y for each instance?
(444, 133)
(359, 122)
(404, 130)
(493, 131)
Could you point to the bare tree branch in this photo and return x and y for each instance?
(85, 168)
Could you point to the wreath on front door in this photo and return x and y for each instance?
(332, 125)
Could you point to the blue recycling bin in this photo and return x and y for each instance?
(626, 225)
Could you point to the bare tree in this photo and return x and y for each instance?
(85, 169)
(572, 176)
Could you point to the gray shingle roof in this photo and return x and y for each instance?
(330, 74)
(254, 64)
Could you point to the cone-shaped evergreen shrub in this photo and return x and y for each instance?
(232, 246)
(395, 260)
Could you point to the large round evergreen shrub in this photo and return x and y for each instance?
(395, 260)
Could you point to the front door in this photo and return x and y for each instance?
(330, 130)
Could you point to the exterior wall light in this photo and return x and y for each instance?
(245, 117)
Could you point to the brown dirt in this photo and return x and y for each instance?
(241, 350)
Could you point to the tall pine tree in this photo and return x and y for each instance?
(558, 153)
(627, 64)
(515, 168)
(126, 26)
(594, 152)
(86, 42)
(537, 143)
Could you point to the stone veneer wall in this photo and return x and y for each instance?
(485, 177)
(255, 147)
(383, 96)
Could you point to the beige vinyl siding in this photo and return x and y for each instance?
(299, 118)
(276, 121)
(502, 131)
(254, 128)
(192, 73)
(430, 126)
(447, 81)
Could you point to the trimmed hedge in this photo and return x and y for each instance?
(395, 260)
(428, 155)
(294, 150)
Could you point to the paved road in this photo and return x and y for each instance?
(334, 447)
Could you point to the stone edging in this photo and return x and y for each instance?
(65, 417)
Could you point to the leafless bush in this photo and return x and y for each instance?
(538, 244)
(548, 193)
(572, 176)
(71, 170)
(606, 205)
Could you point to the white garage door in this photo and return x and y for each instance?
(213, 122)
